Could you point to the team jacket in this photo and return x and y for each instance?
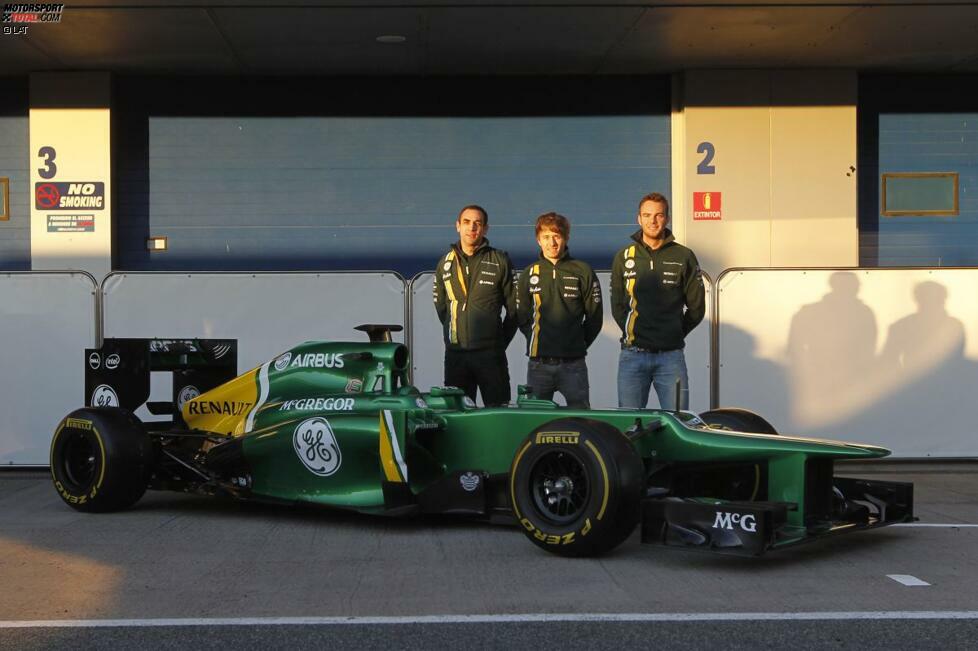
(470, 293)
(649, 290)
(559, 307)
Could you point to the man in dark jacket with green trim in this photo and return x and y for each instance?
(657, 298)
(559, 308)
(473, 283)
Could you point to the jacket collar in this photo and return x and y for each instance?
(637, 236)
(457, 245)
(563, 258)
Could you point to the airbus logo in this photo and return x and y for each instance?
(726, 520)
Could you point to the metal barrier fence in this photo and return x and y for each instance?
(47, 319)
(428, 350)
(266, 312)
(884, 356)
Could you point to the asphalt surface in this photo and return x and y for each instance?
(181, 570)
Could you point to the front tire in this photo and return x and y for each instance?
(576, 486)
(738, 420)
(739, 482)
(100, 459)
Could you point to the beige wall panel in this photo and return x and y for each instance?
(813, 87)
(784, 142)
(71, 167)
(715, 88)
(813, 183)
(741, 141)
(80, 140)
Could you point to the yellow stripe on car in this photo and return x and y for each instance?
(229, 409)
(390, 453)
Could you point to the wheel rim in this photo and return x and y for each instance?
(79, 460)
(559, 485)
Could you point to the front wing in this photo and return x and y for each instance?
(751, 528)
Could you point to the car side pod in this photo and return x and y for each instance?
(753, 528)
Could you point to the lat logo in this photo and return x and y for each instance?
(725, 520)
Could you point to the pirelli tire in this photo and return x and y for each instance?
(101, 459)
(743, 482)
(737, 420)
(576, 486)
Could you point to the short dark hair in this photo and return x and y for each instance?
(657, 198)
(485, 215)
(553, 221)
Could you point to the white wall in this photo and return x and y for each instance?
(47, 320)
(883, 356)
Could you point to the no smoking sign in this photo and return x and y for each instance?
(47, 196)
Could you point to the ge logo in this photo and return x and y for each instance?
(316, 446)
(187, 394)
(104, 396)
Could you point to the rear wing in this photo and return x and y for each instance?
(118, 373)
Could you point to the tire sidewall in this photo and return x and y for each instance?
(600, 450)
(122, 461)
(77, 424)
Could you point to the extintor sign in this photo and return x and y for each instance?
(706, 205)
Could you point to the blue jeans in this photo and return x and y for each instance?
(638, 369)
(570, 378)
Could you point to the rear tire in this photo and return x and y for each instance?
(576, 487)
(101, 459)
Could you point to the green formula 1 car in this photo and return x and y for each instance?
(337, 424)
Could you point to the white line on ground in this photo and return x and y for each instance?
(942, 525)
(493, 619)
(906, 579)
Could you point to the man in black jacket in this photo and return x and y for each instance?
(559, 306)
(657, 298)
(473, 283)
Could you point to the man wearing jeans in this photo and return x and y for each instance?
(657, 298)
(559, 310)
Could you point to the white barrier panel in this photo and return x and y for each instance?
(428, 351)
(47, 319)
(882, 356)
(266, 312)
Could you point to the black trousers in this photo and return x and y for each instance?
(486, 370)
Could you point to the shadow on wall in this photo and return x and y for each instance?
(831, 346)
(922, 378)
(836, 377)
(757, 376)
